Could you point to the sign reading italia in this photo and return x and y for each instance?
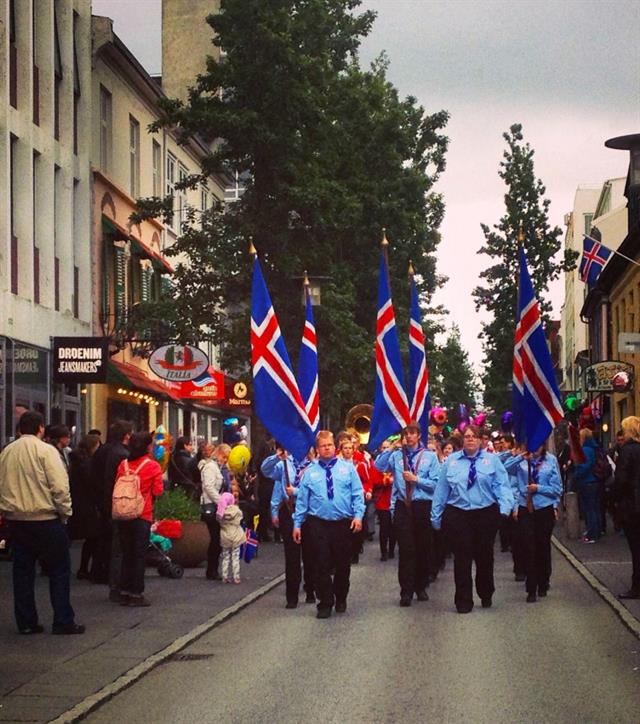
(80, 360)
(179, 363)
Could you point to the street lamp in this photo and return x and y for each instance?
(630, 143)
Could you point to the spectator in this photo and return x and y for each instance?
(588, 488)
(83, 524)
(212, 487)
(231, 536)
(35, 499)
(626, 495)
(134, 534)
(181, 467)
(60, 437)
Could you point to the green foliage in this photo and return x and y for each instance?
(526, 207)
(333, 155)
(175, 505)
(451, 380)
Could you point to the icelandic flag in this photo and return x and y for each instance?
(390, 406)
(536, 398)
(594, 257)
(308, 367)
(278, 401)
(418, 370)
(250, 546)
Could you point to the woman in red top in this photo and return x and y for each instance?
(382, 484)
(134, 534)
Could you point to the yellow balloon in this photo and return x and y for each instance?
(239, 459)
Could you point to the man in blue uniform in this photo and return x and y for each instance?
(472, 491)
(331, 502)
(287, 474)
(415, 474)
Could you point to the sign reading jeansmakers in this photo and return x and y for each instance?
(80, 360)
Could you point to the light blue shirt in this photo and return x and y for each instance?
(273, 467)
(427, 471)
(549, 481)
(348, 496)
(491, 486)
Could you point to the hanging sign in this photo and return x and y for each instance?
(80, 360)
(179, 362)
(209, 386)
(609, 376)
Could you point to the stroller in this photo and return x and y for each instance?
(5, 541)
(159, 544)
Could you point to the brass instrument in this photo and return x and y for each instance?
(359, 419)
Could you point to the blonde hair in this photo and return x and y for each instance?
(585, 434)
(324, 435)
(631, 427)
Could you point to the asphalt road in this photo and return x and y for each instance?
(567, 658)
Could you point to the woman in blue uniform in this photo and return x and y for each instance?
(471, 493)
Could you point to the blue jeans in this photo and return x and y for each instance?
(46, 541)
(590, 504)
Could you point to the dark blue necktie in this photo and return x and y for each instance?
(473, 475)
(411, 457)
(535, 469)
(300, 468)
(327, 467)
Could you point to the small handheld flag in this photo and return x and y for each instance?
(418, 370)
(594, 257)
(308, 364)
(536, 398)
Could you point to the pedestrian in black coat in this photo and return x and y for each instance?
(181, 468)
(83, 524)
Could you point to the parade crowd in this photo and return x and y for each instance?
(449, 498)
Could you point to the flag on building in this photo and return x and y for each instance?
(536, 398)
(278, 402)
(594, 257)
(418, 369)
(390, 406)
(308, 365)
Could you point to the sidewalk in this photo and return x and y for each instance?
(609, 560)
(42, 675)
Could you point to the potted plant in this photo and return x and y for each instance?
(190, 550)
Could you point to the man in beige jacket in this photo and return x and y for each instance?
(35, 500)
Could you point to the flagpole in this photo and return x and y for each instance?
(252, 248)
(613, 251)
(385, 252)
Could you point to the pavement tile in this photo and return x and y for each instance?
(33, 708)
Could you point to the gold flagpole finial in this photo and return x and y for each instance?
(252, 248)
(306, 279)
(385, 241)
(520, 234)
(411, 269)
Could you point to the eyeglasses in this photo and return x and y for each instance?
(470, 437)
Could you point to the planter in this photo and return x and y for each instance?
(191, 550)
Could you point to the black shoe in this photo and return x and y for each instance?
(116, 596)
(310, 598)
(214, 577)
(83, 575)
(466, 608)
(531, 598)
(27, 630)
(486, 602)
(505, 549)
(69, 629)
(542, 592)
(422, 595)
(629, 595)
(341, 607)
(323, 613)
(520, 577)
(391, 555)
(292, 604)
(384, 557)
(405, 601)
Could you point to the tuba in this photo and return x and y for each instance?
(359, 419)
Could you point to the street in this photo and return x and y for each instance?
(566, 658)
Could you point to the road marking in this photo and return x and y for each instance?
(93, 701)
(627, 618)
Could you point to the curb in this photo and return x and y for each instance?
(93, 701)
(623, 613)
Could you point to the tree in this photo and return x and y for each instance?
(452, 380)
(526, 210)
(333, 154)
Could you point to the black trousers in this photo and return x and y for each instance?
(471, 534)
(517, 549)
(331, 550)
(535, 532)
(631, 529)
(386, 533)
(412, 527)
(213, 553)
(295, 556)
(506, 530)
(134, 540)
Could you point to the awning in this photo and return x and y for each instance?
(127, 375)
(158, 261)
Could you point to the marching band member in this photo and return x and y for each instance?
(472, 491)
(331, 502)
(538, 492)
(287, 474)
(381, 487)
(415, 473)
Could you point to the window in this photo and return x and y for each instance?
(134, 157)
(76, 82)
(105, 129)
(13, 56)
(182, 198)
(156, 157)
(588, 218)
(77, 220)
(171, 187)
(13, 176)
(57, 72)
(57, 181)
(36, 70)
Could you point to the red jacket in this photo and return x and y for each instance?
(381, 484)
(363, 469)
(150, 482)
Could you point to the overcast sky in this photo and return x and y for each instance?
(567, 70)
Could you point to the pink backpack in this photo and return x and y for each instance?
(127, 502)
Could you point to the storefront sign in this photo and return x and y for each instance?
(237, 394)
(209, 386)
(80, 360)
(609, 376)
(179, 363)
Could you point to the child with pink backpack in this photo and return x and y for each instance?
(232, 536)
